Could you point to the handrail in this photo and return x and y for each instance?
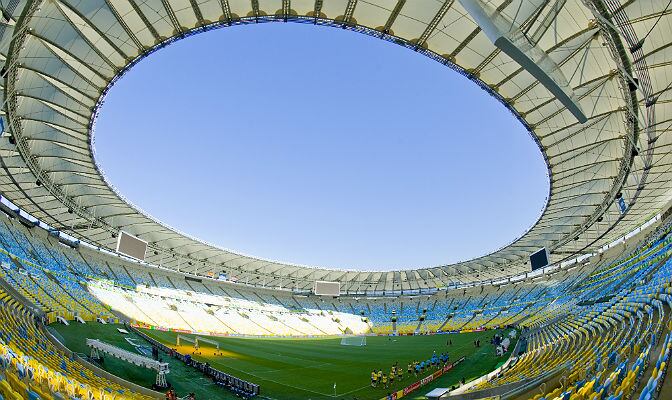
(227, 380)
(541, 378)
(99, 371)
(32, 307)
(507, 391)
(513, 357)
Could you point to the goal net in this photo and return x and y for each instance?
(353, 341)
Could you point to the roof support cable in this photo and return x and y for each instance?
(171, 16)
(643, 83)
(641, 42)
(145, 21)
(197, 11)
(422, 41)
(125, 26)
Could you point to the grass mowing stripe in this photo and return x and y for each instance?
(185, 379)
(248, 373)
(292, 369)
(349, 367)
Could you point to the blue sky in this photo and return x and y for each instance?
(319, 146)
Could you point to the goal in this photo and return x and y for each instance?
(353, 341)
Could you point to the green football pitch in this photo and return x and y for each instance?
(290, 369)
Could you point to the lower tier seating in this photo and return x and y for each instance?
(32, 367)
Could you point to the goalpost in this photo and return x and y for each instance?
(353, 340)
(195, 341)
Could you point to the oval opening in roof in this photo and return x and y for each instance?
(320, 147)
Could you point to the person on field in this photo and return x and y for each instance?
(374, 378)
(384, 381)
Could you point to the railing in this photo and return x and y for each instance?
(32, 307)
(231, 382)
(99, 371)
(513, 357)
(507, 391)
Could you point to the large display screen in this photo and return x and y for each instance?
(539, 259)
(131, 246)
(324, 288)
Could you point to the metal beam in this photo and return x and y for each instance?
(422, 40)
(349, 11)
(144, 19)
(393, 16)
(506, 36)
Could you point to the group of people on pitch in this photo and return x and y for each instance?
(415, 368)
(171, 395)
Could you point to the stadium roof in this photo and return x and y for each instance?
(589, 79)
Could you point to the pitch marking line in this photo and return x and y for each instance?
(352, 391)
(282, 383)
(270, 371)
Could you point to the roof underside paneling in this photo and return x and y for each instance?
(62, 56)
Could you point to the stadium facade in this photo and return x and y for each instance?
(590, 80)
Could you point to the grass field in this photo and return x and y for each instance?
(290, 369)
(74, 337)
